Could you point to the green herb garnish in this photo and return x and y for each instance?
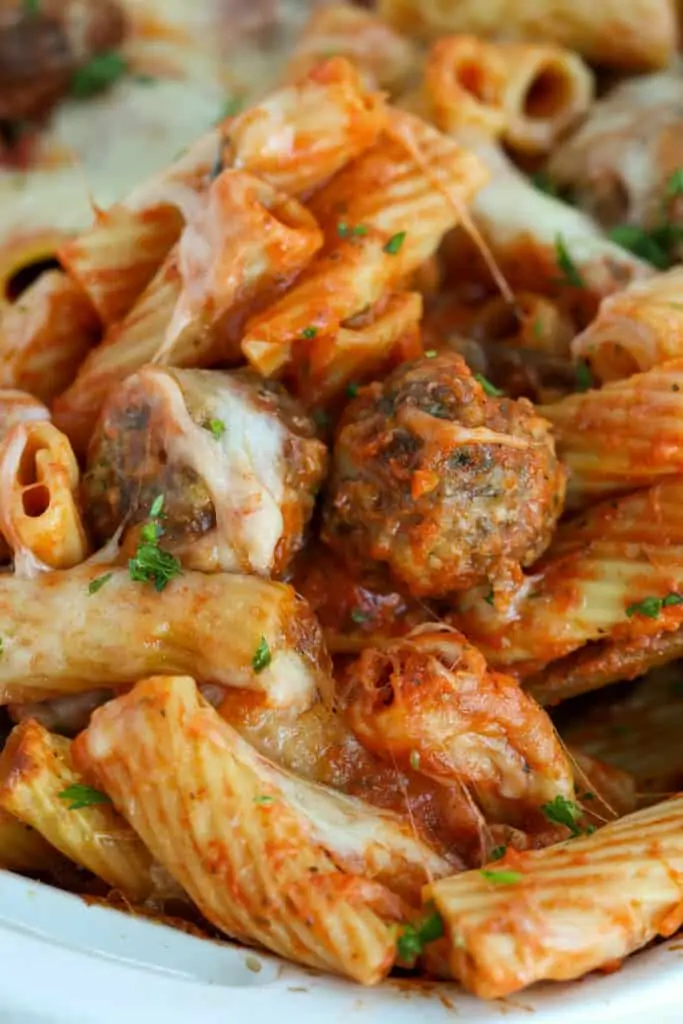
(217, 428)
(309, 333)
(413, 938)
(561, 811)
(31, 6)
(431, 353)
(157, 507)
(345, 230)
(501, 877)
(651, 246)
(583, 376)
(359, 616)
(498, 852)
(98, 74)
(98, 583)
(489, 388)
(395, 243)
(490, 597)
(78, 796)
(231, 106)
(265, 799)
(151, 564)
(650, 607)
(262, 656)
(674, 186)
(414, 760)
(570, 272)
(544, 183)
(352, 390)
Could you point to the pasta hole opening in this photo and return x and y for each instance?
(547, 94)
(471, 77)
(25, 276)
(36, 501)
(27, 471)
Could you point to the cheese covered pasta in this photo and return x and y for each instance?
(341, 466)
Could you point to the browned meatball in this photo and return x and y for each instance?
(235, 458)
(42, 45)
(444, 483)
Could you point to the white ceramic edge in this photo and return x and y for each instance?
(63, 961)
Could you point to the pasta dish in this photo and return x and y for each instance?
(341, 475)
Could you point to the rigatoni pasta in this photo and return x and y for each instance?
(566, 910)
(638, 36)
(45, 335)
(40, 516)
(527, 95)
(636, 329)
(334, 294)
(240, 836)
(40, 787)
(623, 436)
(230, 630)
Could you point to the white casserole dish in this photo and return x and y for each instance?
(65, 962)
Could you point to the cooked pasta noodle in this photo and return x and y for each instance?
(624, 436)
(639, 35)
(598, 581)
(568, 909)
(240, 835)
(527, 95)
(636, 329)
(334, 456)
(39, 512)
(38, 784)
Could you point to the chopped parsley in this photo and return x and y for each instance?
(98, 583)
(345, 230)
(309, 333)
(498, 852)
(217, 428)
(265, 800)
(231, 106)
(31, 6)
(414, 760)
(537, 328)
(650, 607)
(561, 811)
(583, 376)
(489, 388)
(143, 79)
(98, 74)
(430, 353)
(413, 938)
(651, 246)
(352, 389)
(79, 795)
(501, 877)
(544, 183)
(674, 186)
(157, 507)
(395, 243)
(570, 272)
(490, 597)
(262, 656)
(359, 616)
(151, 564)
(320, 418)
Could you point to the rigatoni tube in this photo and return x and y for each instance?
(63, 633)
(557, 913)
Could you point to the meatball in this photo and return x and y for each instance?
(235, 458)
(446, 484)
